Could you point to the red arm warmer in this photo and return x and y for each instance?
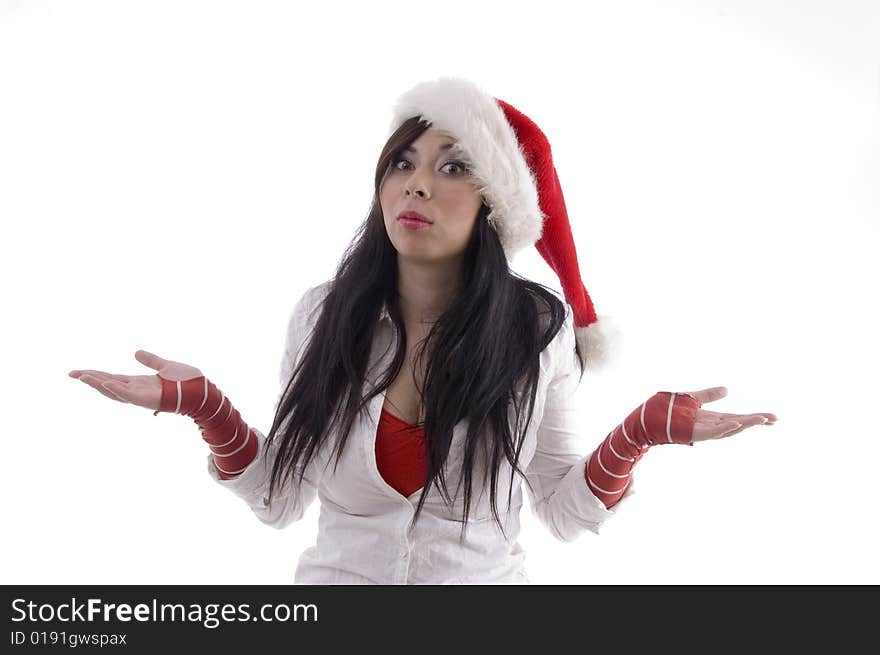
(667, 417)
(227, 434)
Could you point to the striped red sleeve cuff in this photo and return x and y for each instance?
(230, 439)
(667, 417)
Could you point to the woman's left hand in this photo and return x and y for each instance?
(718, 425)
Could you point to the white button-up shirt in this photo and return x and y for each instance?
(363, 529)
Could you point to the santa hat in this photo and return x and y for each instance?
(509, 158)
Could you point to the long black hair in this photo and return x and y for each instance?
(482, 353)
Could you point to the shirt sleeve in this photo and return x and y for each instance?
(252, 485)
(560, 496)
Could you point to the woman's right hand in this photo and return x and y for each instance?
(140, 390)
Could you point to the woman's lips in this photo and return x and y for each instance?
(413, 220)
(414, 224)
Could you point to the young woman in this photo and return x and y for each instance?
(425, 382)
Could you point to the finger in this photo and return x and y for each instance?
(149, 359)
(704, 431)
(103, 375)
(760, 418)
(709, 395)
(729, 429)
(98, 384)
(710, 417)
(118, 390)
(741, 423)
(100, 377)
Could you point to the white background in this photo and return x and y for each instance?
(173, 175)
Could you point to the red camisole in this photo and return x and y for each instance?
(400, 453)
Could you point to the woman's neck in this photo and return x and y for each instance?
(425, 292)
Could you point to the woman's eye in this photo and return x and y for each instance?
(399, 161)
(459, 167)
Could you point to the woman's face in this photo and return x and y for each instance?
(432, 180)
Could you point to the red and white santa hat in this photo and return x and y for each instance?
(510, 160)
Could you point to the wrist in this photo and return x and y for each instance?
(183, 396)
(666, 417)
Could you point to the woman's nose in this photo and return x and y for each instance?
(417, 187)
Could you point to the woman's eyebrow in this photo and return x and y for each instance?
(446, 146)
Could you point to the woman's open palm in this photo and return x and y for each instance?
(141, 390)
(718, 425)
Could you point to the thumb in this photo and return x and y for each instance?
(149, 359)
(708, 395)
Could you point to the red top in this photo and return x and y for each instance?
(400, 453)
